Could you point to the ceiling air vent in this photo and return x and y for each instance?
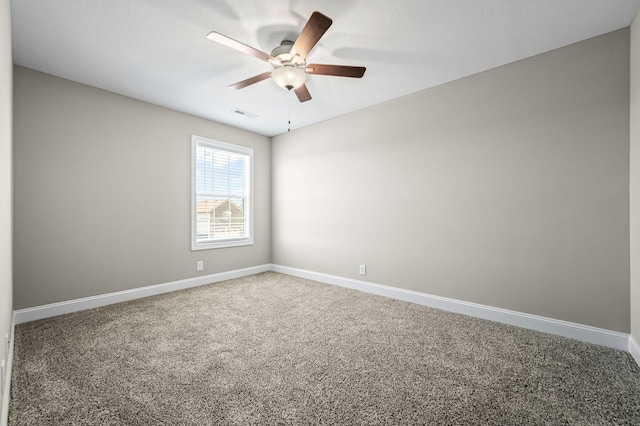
(245, 113)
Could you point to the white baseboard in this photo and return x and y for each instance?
(634, 349)
(66, 307)
(4, 408)
(585, 333)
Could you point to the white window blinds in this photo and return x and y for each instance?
(222, 194)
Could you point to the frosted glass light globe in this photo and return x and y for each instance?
(289, 77)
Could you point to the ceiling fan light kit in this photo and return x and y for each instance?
(289, 59)
(289, 77)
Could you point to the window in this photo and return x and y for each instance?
(221, 207)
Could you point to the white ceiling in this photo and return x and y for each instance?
(157, 50)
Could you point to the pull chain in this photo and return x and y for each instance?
(289, 128)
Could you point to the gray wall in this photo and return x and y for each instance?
(102, 192)
(5, 176)
(509, 188)
(635, 179)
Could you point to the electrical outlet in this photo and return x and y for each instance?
(200, 265)
(363, 269)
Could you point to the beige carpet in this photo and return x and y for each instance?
(272, 349)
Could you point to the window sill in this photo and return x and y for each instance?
(221, 244)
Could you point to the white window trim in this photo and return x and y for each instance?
(233, 242)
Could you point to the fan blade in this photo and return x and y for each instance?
(336, 70)
(248, 82)
(229, 42)
(303, 93)
(315, 28)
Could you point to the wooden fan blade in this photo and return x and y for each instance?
(315, 28)
(248, 82)
(336, 70)
(229, 42)
(303, 93)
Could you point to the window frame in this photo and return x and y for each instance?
(248, 210)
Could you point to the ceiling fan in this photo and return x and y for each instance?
(289, 60)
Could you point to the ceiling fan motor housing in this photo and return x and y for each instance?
(283, 55)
